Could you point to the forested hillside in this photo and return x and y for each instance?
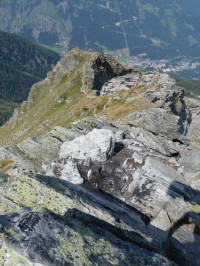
(21, 64)
(160, 29)
(192, 87)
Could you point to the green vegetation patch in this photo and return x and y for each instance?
(192, 87)
(27, 192)
(6, 110)
(9, 257)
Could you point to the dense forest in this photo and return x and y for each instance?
(22, 63)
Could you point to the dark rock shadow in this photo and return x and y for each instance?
(184, 121)
(96, 198)
(178, 189)
(119, 210)
(105, 70)
(39, 235)
(118, 147)
(183, 243)
(164, 241)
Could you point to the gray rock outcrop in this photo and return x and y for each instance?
(122, 192)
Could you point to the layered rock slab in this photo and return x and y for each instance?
(83, 226)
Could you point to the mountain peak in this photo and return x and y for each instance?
(85, 84)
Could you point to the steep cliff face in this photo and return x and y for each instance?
(113, 187)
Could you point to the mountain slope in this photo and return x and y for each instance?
(22, 64)
(161, 29)
(118, 186)
(71, 92)
(61, 97)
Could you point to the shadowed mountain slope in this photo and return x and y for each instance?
(161, 29)
(22, 64)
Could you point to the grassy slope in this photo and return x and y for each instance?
(58, 100)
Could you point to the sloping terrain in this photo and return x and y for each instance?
(161, 29)
(97, 169)
(22, 64)
(68, 93)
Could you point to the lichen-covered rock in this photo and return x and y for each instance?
(69, 224)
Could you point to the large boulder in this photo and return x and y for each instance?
(158, 121)
(98, 145)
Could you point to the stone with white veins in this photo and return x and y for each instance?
(98, 145)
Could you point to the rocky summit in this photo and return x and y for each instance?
(100, 166)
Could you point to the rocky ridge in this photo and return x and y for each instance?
(105, 192)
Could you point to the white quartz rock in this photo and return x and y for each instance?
(98, 145)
